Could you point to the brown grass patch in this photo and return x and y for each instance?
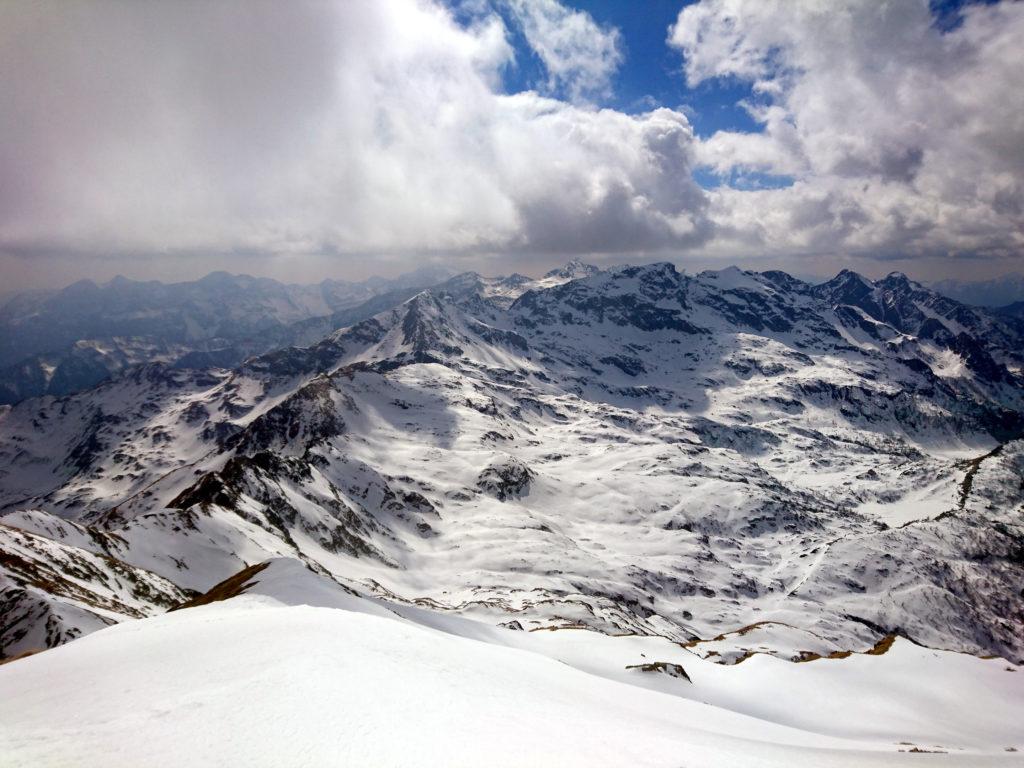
(22, 655)
(882, 646)
(879, 648)
(233, 586)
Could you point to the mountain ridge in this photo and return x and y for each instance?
(634, 450)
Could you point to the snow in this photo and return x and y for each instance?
(637, 467)
(704, 454)
(920, 504)
(732, 278)
(253, 681)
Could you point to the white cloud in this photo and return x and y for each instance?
(903, 140)
(350, 128)
(579, 55)
(381, 127)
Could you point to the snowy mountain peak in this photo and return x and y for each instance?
(785, 281)
(573, 270)
(664, 270)
(898, 281)
(847, 287)
(427, 326)
(849, 274)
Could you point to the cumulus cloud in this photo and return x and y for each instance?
(349, 128)
(904, 140)
(579, 55)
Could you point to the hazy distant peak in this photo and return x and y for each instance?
(997, 292)
(573, 270)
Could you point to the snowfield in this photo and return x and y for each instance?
(254, 681)
(620, 517)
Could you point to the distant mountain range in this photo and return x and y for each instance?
(60, 342)
(997, 292)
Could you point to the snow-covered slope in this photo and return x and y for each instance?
(262, 680)
(736, 461)
(59, 580)
(985, 340)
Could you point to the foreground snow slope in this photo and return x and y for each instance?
(252, 681)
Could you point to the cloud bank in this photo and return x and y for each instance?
(359, 127)
(382, 128)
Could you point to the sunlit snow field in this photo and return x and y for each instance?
(255, 681)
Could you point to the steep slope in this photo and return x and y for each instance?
(986, 341)
(59, 580)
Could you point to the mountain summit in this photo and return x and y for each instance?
(574, 270)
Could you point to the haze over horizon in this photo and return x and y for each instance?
(436, 272)
(342, 140)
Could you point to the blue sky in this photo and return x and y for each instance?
(949, 13)
(651, 73)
